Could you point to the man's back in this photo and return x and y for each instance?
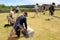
(51, 8)
(20, 20)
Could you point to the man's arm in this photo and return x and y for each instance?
(25, 23)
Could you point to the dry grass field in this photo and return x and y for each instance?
(44, 30)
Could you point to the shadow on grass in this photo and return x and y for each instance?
(47, 19)
(32, 17)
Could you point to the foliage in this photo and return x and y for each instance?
(4, 7)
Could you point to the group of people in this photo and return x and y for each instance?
(20, 23)
(51, 9)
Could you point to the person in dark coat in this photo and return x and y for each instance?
(21, 23)
(51, 9)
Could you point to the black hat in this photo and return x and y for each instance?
(53, 3)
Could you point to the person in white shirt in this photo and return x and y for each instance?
(36, 10)
(10, 17)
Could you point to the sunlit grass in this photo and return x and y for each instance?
(44, 30)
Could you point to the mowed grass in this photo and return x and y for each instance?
(44, 30)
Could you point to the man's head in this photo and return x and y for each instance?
(53, 4)
(37, 4)
(25, 14)
(14, 10)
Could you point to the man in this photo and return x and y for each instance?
(51, 9)
(36, 10)
(20, 24)
(10, 17)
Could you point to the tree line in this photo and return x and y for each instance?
(4, 7)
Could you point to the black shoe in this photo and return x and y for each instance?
(6, 25)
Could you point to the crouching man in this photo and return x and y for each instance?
(20, 24)
(10, 17)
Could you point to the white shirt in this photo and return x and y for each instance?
(36, 7)
(11, 14)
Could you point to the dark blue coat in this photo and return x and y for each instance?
(20, 20)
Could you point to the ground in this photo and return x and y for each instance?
(44, 30)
